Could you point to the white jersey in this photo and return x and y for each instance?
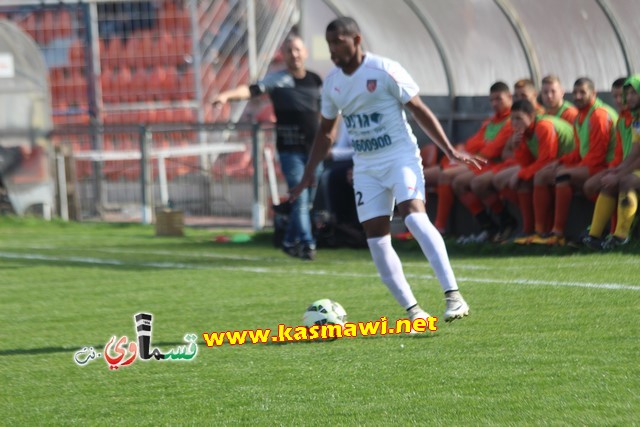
(371, 102)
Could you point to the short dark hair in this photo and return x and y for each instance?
(344, 25)
(618, 83)
(585, 81)
(499, 87)
(523, 105)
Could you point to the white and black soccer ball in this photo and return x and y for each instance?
(324, 312)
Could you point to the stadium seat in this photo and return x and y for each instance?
(76, 53)
(64, 24)
(164, 47)
(48, 27)
(123, 85)
(114, 52)
(141, 85)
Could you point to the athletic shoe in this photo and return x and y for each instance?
(552, 240)
(592, 242)
(614, 242)
(505, 233)
(291, 250)
(525, 240)
(457, 307)
(462, 239)
(418, 315)
(308, 253)
(482, 237)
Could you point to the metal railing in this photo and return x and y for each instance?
(123, 173)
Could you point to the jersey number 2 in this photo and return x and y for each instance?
(359, 201)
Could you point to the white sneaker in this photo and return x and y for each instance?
(481, 237)
(457, 307)
(418, 315)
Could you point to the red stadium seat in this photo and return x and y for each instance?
(76, 53)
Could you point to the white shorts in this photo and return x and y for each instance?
(375, 190)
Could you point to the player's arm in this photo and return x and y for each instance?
(630, 163)
(319, 150)
(240, 93)
(430, 124)
(547, 151)
(496, 149)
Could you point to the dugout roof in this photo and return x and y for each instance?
(25, 104)
(460, 47)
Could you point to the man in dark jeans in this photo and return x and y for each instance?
(295, 94)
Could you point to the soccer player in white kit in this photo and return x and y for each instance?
(370, 91)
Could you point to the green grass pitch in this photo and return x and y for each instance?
(552, 339)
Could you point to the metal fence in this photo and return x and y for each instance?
(221, 173)
(155, 61)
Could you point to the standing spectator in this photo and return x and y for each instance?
(295, 94)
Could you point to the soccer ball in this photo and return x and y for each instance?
(324, 312)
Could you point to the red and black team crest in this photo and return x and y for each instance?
(371, 85)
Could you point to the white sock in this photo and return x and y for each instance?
(433, 248)
(390, 269)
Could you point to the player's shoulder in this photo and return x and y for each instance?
(546, 123)
(601, 113)
(332, 74)
(380, 63)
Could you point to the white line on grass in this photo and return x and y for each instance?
(262, 270)
(213, 255)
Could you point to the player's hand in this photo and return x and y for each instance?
(609, 179)
(306, 182)
(468, 159)
(515, 138)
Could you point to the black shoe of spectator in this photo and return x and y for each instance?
(293, 251)
(308, 253)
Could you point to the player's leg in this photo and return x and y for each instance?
(446, 196)
(567, 179)
(518, 193)
(462, 187)
(298, 239)
(627, 208)
(482, 186)
(604, 208)
(374, 204)
(543, 197)
(593, 185)
(408, 189)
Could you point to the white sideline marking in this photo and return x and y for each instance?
(98, 261)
